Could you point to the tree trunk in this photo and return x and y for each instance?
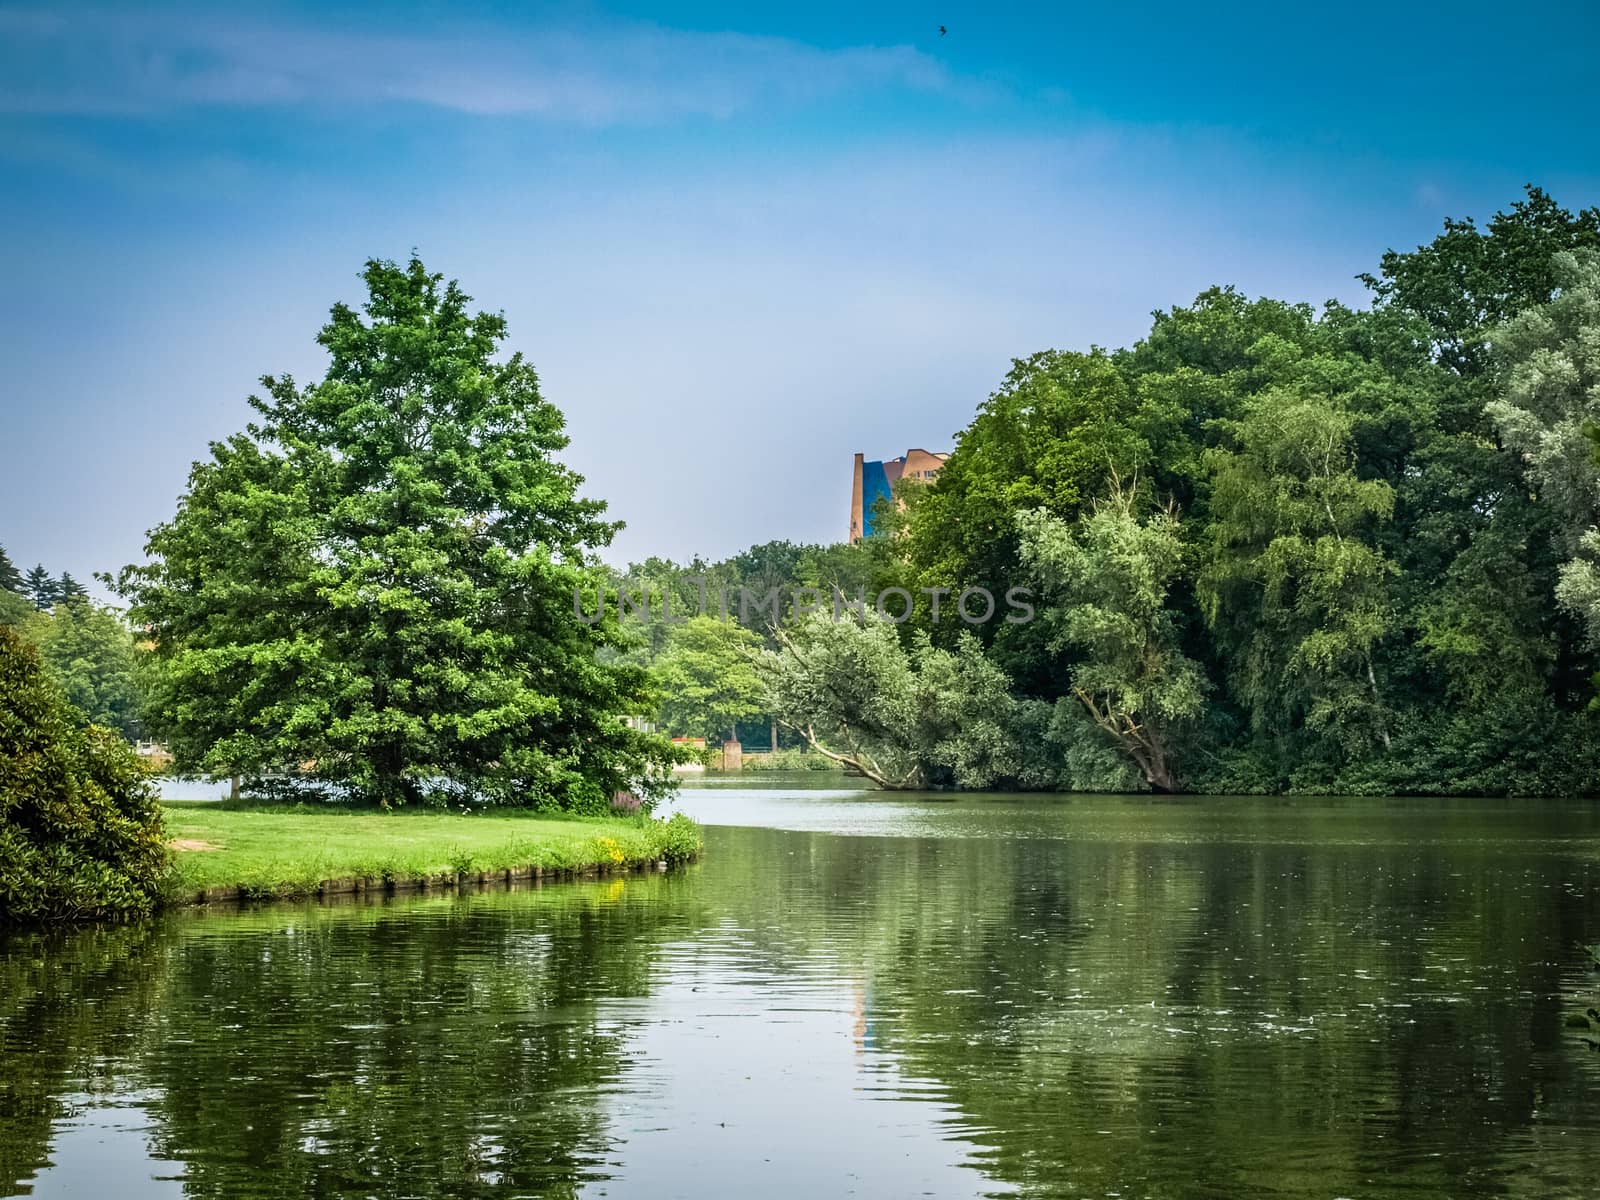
(871, 772)
(1372, 682)
(1146, 746)
(1158, 776)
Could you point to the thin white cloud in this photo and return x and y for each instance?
(109, 61)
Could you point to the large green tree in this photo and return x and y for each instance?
(1468, 281)
(1104, 588)
(1549, 392)
(1294, 587)
(1548, 412)
(380, 575)
(1494, 670)
(1049, 437)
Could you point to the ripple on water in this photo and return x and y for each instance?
(856, 995)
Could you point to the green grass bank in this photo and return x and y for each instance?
(224, 853)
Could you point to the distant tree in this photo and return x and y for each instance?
(68, 588)
(40, 588)
(923, 717)
(10, 578)
(89, 652)
(380, 574)
(707, 677)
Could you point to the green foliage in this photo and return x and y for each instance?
(707, 677)
(1547, 411)
(1549, 359)
(80, 830)
(679, 839)
(1104, 589)
(1467, 281)
(10, 577)
(379, 576)
(14, 609)
(1380, 560)
(40, 589)
(923, 717)
(1059, 427)
(1294, 587)
(89, 652)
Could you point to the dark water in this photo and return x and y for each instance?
(854, 996)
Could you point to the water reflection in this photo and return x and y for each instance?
(1229, 999)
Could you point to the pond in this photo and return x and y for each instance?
(853, 994)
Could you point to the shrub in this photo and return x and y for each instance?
(80, 829)
(679, 839)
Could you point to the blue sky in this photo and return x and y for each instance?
(739, 244)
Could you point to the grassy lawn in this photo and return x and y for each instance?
(288, 851)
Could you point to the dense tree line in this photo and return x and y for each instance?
(37, 587)
(87, 649)
(1267, 548)
(1274, 548)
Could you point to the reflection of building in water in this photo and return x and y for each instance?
(874, 480)
(866, 1037)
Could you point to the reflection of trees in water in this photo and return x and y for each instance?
(451, 1049)
(1346, 1020)
(1126, 1013)
(1274, 1018)
(72, 1005)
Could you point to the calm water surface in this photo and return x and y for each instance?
(854, 995)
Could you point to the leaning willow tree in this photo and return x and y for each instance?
(377, 578)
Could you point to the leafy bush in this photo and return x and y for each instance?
(679, 838)
(80, 829)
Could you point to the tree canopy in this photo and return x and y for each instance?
(377, 577)
(1273, 547)
(89, 652)
(707, 678)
